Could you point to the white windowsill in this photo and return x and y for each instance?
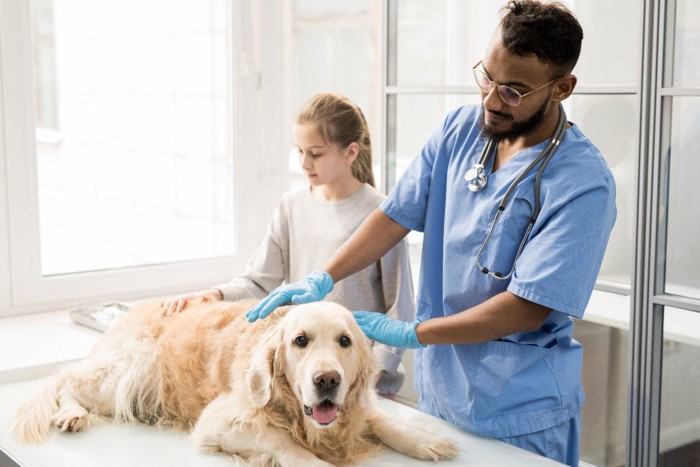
(35, 345)
(613, 310)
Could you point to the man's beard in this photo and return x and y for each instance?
(518, 129)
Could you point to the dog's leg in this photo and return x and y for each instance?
(54, 404)
(71, 416)
(410, 440)
(223, 427)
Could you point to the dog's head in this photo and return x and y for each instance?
(323, 355)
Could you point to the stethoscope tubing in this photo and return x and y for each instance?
(545, 156)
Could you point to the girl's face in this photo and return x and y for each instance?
(322, 163)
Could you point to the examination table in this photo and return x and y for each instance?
(34, 346)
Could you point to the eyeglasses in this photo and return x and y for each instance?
(507, 94)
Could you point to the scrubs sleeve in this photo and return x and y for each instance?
(559, 265)
(407, 202)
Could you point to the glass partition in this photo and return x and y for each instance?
(610, 52)
(438, 42)
(679, 437)
(417, 116)
(611, 122)
(686, 53)
(682, 254)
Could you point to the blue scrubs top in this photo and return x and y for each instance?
(529, 381)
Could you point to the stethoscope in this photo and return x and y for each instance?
(476, 180)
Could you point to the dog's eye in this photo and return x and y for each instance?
(301, 341)
(344, 341)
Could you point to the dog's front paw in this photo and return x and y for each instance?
(436, 450)
(72, 419)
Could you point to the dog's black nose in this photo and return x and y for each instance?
(327, 380)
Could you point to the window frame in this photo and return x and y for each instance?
(258, 159)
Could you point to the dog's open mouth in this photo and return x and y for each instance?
(324, 413)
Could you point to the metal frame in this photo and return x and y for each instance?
(6, 459)
(389, 73)
(642, 350)
(650, 298)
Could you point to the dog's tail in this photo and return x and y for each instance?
(32, 420)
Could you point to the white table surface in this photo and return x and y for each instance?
(32, 346)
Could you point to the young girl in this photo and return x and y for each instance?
(332, 139)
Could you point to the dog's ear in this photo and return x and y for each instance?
(261, 367)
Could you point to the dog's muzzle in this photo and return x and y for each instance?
(326, 384)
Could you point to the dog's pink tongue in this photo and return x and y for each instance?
(325, 413)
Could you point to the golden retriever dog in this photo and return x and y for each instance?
(290, 390)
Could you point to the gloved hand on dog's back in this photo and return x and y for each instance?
(381, 328)
(313, 288)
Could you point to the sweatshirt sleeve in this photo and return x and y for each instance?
(265, 269)
(399, 300)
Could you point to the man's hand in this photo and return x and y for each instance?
(381, 328)
(311, 289)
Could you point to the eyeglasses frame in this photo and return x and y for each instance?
(493, 84)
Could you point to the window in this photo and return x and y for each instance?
(141, 135)
(134, 141)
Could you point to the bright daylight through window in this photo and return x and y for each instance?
(133, 129)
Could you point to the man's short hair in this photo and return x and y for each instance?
(548, 30)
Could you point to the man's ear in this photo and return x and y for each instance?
(564, 87)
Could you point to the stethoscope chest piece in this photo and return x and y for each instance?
(476, 178)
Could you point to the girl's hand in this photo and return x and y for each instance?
(176, 305)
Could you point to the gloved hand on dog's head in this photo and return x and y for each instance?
(313, 288)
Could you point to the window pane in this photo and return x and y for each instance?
(333, 49)
(610, 122)
(610, 52)
(438, 42)
(315, 7)
(682, 254)
(679, 438)
(413, 128)
(686, 57)
(136, 166)
(335, 60)
(604, 334)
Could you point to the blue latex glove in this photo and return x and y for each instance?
(389, 331)
(310, 289)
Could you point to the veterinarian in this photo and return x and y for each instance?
(494, 335)
(335, 153)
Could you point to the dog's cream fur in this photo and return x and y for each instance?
(289, 390)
